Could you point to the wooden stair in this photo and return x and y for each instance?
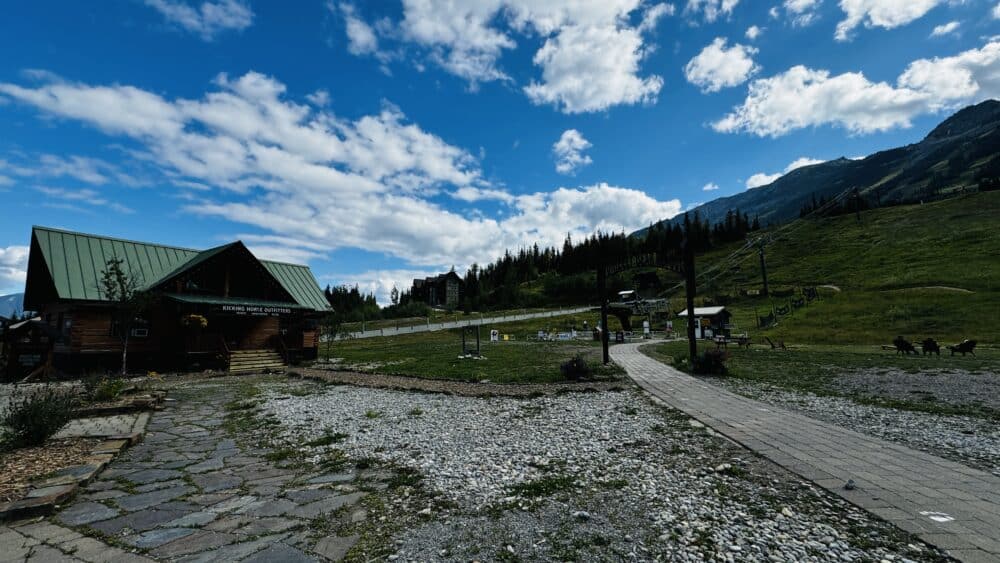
(247, 361)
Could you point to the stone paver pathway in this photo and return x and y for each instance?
(101, 426)
(947, 504)
(191, 492)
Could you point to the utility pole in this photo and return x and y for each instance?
(856, 198)
(763, 268)
(689, 287)
(602, 275)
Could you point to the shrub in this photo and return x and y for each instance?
(575, 369)
(712, 362)
(35, 416)
(108, 389)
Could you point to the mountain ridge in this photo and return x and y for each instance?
(10, 304)
(947, 161)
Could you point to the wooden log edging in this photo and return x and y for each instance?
(454, 387)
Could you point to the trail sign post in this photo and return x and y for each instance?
(689, 288)
(602, 281)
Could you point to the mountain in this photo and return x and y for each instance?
(10, 304)
(950, 159)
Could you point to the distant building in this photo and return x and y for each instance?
(709, 321)
(439, 291)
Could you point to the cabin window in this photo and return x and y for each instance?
(140, 328)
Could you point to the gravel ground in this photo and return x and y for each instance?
(451, 386)
(955, 387)
(593, 476)
(968, 440)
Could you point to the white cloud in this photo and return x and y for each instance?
(13, 268)
(711, 9)
(654, 14)
(948, 82)
(753, 32)
(587, 69)
(996, 11)
(471, 194)
(945, 29)
(80, 200)
(93, 171)
(568, 151)
(209, 19)
(717, 67)
(802, 97)
(301, 173)
(590, 56)
(710, 187)
(762, 179)
(887, 14)
(319, 98)
(802, 12)
(361, 39)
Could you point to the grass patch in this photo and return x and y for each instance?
(404, 477)
(897, 271)
(416, 411)
(372, 414)
(814, 369)
(281, 455)
(544, 486)
(522, 360)
(328, 439)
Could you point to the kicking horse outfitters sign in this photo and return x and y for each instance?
(255, 310)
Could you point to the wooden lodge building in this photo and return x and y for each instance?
(217, 308)
(444, 290)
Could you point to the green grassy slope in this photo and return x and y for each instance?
(917, 270)
(435, 354)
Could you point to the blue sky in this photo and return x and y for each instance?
(378, 141)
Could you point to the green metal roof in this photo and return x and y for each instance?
(75, 262)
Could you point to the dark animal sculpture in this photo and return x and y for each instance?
(966, 347)
(930, 346)
(903, 346)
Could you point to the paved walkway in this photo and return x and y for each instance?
(191, 492)
(471, 321)
(946, 504)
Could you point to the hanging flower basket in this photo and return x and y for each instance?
(194, 321)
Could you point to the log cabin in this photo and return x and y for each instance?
(209, 309)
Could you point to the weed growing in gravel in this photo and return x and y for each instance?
(366, 463)
(405, 477)
(613, 484)
(372, 414)
(545, 486)
(281, 455)
(416, 411)
(328, 439)
(334, 460)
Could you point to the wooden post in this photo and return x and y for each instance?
(601, 294)
(763, 269)
(690, 288)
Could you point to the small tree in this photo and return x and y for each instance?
(123, 290)
(394, 295)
